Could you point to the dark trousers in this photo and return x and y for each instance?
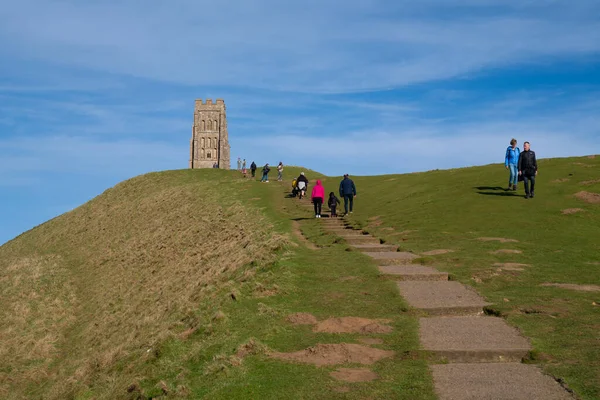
(253, 173)
(318, 203)
(527, 180)
(348, 198)
(333, 212)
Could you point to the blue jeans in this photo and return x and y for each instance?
(265, 177)
(514, 174)
(348, 198)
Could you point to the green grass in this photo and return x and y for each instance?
(451, 209)
(134, 289)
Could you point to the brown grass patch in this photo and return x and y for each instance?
(588, 197)
(569, 211)
(495, 239)
(302, 319)
(354, 375)
(298, 233)
(506, 251)
(335, 354)
(352, 325)
(511, 266)
(560, 180)
(572, 286)
(108, 282)
(590, 182)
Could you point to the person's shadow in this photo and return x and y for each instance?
(497, 191)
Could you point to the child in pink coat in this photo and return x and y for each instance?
(317, 196)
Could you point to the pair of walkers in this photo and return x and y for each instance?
(347, 191)
(522, 166)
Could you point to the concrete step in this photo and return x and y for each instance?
(472, 339)
(442, 298)
(362, 239)
(496, 381)
(375, 247)
(413, 272)
(392, 258)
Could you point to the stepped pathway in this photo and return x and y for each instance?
(474, 356)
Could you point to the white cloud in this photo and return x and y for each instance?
(310, 46)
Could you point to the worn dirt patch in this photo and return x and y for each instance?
(298, 233)
(592, 156)
(561, 180)
(568, 211)
(495, 239)
(368, 340)
(506, 251)
(389, 229)
(584, 164)
(573, 286)
(588, 197)
(437, 252)
(342, 389)
(352, 325)
(376, 217)
(334, 354)
(590, 182)
(593, 263)
(302, 319)
(255, 198)
(507, 266)
(354, 375)
(348, 278)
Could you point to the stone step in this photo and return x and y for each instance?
(495, 381)
(442, 298)
(472, 339)
(392, 258)
(348, 232)
(362, 239)
(413, 272)
(375, 247)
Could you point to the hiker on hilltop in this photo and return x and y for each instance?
(302, 184)
(253, 169)
(333, 203)
(317, 196)
(528, 169)
(239, 164)
(244, 163)
(265, 171)
(510, 162)
(348, 192)
(280, 171)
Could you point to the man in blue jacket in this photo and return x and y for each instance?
(348, 192)
(510, 162)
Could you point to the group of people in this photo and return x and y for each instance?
(522, 166)
(347, 191)
(265, 171)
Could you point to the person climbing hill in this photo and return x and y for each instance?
(348, 192)
(302, 183)
(265, 171)
(333, 203)
(317, 195)
(253, 169)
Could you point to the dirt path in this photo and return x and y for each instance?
(298, 233)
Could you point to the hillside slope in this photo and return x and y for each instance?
(555, 236)
(88, 298)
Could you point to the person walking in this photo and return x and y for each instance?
(333, 203)
(253, 169)
(302, 184)
(239, 164)
(510, 163)
(348, 192)
(280, 171)
(528, 169)
(244, 163)
(265, 171)
(317, 195)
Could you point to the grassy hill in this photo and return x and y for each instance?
(179, 284)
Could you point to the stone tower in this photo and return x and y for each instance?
(210, 140)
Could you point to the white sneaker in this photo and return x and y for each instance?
(267, 181)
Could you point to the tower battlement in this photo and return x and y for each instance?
(210, 139)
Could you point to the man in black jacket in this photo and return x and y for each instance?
(253, 168)
(528, 169)
(348, 192)
(302, 187)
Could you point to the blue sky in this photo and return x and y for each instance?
(95, 92)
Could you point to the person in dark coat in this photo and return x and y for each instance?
(528, 169)
(265, 171)
(302, 184)
(253, 169)
(348, 192)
